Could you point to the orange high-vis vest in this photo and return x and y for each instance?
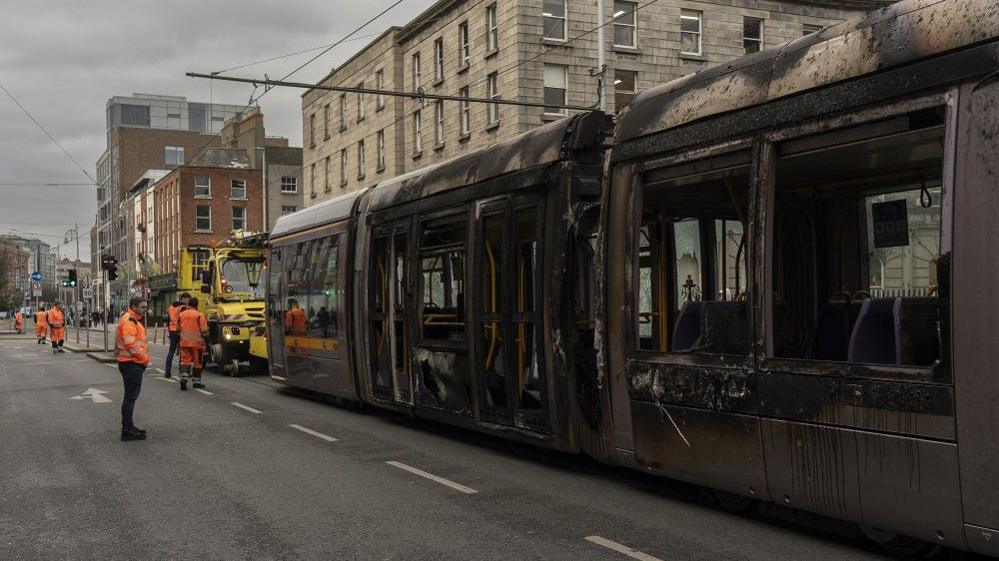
(193, 328)
(174, 313)
(18, 319)
(130, 340)
(41, 328)
(294, 321)
(55, 320)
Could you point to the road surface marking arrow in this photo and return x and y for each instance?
(94, 395)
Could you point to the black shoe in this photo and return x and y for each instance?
(137, 429)
(167, 375)
(132, 435)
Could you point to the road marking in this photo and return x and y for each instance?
(165, 379)
(623, 549)
(317, 434)
(276, 377)
(93, 394)
(432, 477)
(160, 370)
(206, 392)
(109, 365)
(244, 407)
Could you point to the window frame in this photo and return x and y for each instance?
(312, 130)
(342, 110)
(288, 209)
(360, 159)
(454, 214)
(417, 71)
(380, 150)
(232, 189)
(285, 183)
(438, 60)
(312, 180)
(438, 123)
(465, 113)
(343, 167)
(178, 154)
(492, 92)
(326, 121)
(633, 26)
(759, 41)
(196, 187)
(632, 93)
(564, 17)
(464, 46)
(492, 29)
(360, 102)
(327, 171)
(233, 217)
(417, 132)
(561, 111)
(379, 85)
(686, 14)
(198, 230)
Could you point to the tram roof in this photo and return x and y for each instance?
(543, 145)
(892, 36)
(326, 212)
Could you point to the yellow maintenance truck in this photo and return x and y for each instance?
(228, 280)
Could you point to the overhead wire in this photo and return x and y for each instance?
(39, 125)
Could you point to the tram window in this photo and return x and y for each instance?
(693, 258)
(298, 290)
(856, 244)
(317, 312)
(493, 270)
(525, 250)
(442, 278)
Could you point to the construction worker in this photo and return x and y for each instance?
(56, 322)
(172, 316)
(193, 329)
(294, 319)
(133, 358)
(19, 322)
(41, 328)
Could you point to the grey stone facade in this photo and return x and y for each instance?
(647, 53)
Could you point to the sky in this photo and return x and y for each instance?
(63, 59)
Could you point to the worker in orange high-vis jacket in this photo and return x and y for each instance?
(57, 332)
(41, 328)
(294, 319)
(173, 313)
(133, 358)
(19, 322)
(193, 329)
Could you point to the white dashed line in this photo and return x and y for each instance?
(622, 549)
(432, 477)
(245, 408)
(276, 377)
(109, 365)
(165, 379)
(160, 370)
(317, 434)
(206, 392)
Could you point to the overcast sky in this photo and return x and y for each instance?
(63, 59)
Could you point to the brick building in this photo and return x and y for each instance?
(145, 132)
(15, 260)
(526, 50)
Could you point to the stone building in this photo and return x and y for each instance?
(540, 51)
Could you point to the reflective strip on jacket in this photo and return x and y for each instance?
(130, 340)
(193, 328)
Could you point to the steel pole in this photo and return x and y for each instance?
(601, 58)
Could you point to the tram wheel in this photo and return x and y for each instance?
(899, 545)
(731, 502)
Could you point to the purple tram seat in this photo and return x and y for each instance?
(873, 337)
(687, 328)
(832, 331)
(917, 341)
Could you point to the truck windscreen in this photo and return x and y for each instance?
(241, 279)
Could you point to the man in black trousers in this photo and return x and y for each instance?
(133, 358)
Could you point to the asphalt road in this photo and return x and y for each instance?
(250, 471)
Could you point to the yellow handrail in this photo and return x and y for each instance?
(493, 328)
(384, 333)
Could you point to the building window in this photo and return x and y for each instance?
(312, 130)
(328, 170)
(174, 156)
(417, 133)
(238, 189)
(463, 48)
(624, 88)
(624, 25)
(343, 167)
(554, 19)
(203, 218)
(438, 122)
(380, 85)
(417, 72)
(555, 88)
(360, 103)
(312, 179)
(492, 29)
(465, 117)
(690, 32)
(134, 115)
(343, 112)
(752, 34)
(360, 159)
(380, 150)
(238, 218)
(808, 29)
(289, 184)
(492, 92)
(202, 187)
(326, 122)
(439, 60)
(288, 209)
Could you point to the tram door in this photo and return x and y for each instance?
(511, 376)
(276, 289)
(389, 340)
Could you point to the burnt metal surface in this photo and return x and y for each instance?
(891, 37)
(882, 405)
(580, 136)
(703, 387)
(897, 483)
(975, 276)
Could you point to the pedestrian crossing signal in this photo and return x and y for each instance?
(72, 278)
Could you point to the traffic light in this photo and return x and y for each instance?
(65, 282)
(110, 264)
(72, 278)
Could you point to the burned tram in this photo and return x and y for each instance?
(775, 282)
(797, 274)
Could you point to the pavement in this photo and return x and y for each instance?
(248, 470)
